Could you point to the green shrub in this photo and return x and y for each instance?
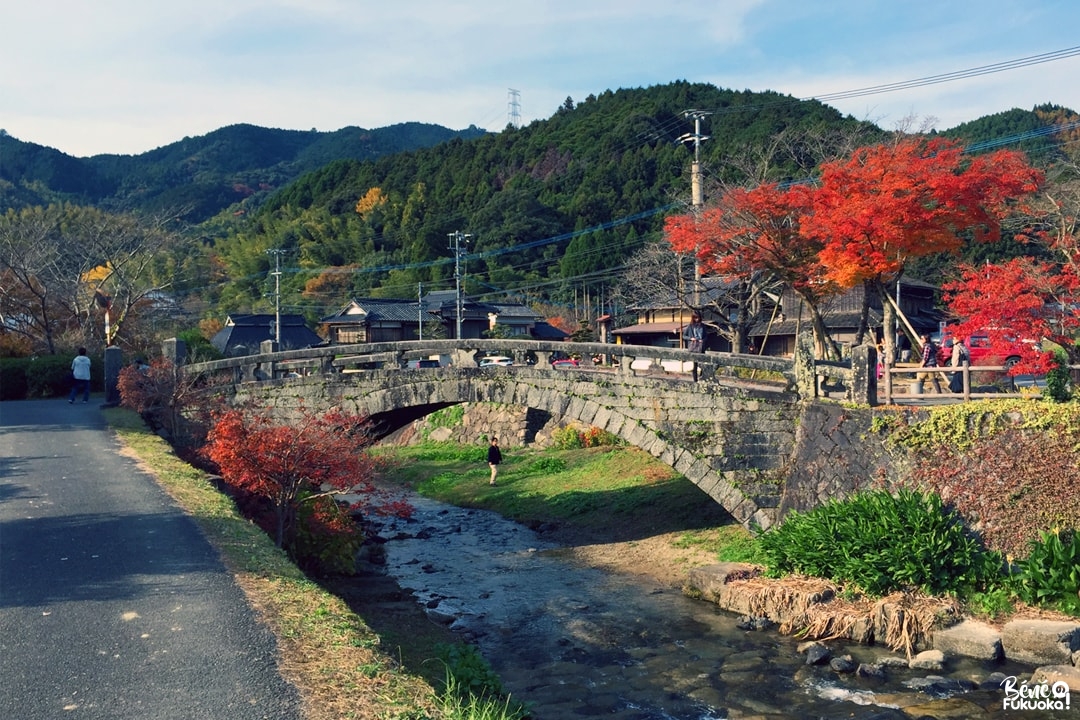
(566, 438)
(13, 378)
(1050, 574)
(569, 438)
(326, 539)
(50, 376)
(470, 672)
(880, 543)
(1058, 380)
(546, 465)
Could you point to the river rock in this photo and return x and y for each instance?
(842, 664)
(891, 661)
(715, 584)
(870, 670)
(755, 622)
(1040, 642)
(940, 687)
(817, 654)
(1051, 674)
(969, 638)
(993, 681)
(442, 614)
(928, 660)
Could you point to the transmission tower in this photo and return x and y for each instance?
(513, 108)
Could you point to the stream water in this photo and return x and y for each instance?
(577, 642)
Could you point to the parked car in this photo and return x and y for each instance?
(980, 350)
(417, 364)
(564, 364)
(496, 360)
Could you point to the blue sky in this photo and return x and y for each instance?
(127, 76)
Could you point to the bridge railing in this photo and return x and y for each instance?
(633, 359)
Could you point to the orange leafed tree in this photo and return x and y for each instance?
(1027, 298)
(290, 463)
(889, 203)
(755, 235)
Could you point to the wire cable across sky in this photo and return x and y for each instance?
(949, 76)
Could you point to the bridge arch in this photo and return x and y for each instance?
(757, 448)
(731, 441)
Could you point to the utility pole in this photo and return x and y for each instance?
(457, 239)
(277, 253)
(696, 193)
(420, 310)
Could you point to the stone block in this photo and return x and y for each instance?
(969, 638)
(928, 660)
(1051, 674)
(716, 583)
(1040, 642)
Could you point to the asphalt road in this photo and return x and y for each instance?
(112, 604)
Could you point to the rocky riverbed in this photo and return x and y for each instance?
(577, 629)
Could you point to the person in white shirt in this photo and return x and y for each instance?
(80, 374)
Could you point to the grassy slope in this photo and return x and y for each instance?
(610, 493)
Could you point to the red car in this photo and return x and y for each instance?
(564, 364)
(979, 350)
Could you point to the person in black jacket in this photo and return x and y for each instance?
(494, 458)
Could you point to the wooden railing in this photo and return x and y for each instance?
(922, 382)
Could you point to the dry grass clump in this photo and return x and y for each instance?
(814, 609)
(901, 621)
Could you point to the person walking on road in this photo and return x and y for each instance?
(494, 457)
(80, 374)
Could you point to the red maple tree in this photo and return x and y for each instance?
(755, 234)
(318, 454)
(1008, 303)
(889, 203)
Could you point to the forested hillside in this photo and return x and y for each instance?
(196, 177)
(558, 203)
(552, 210)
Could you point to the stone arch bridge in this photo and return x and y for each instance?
(735, 425)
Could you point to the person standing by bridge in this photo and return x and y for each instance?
(494, 457)
(694, 334)
(694, 338)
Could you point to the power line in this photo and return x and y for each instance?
(950, 76)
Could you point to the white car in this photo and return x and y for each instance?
(493, 360)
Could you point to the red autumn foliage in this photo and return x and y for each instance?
(887, 204)
(755, 235)
(1011, 303)
(167, 402)
(863, 221)
(1027, 298)
(1011, 486)
(315, 456)
(751, 231)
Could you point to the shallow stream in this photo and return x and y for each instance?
(577, 642)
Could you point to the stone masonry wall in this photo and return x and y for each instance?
(514, 425)
(837, 452)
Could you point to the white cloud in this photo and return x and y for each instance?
(124, 76)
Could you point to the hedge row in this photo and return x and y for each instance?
(41, 377)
